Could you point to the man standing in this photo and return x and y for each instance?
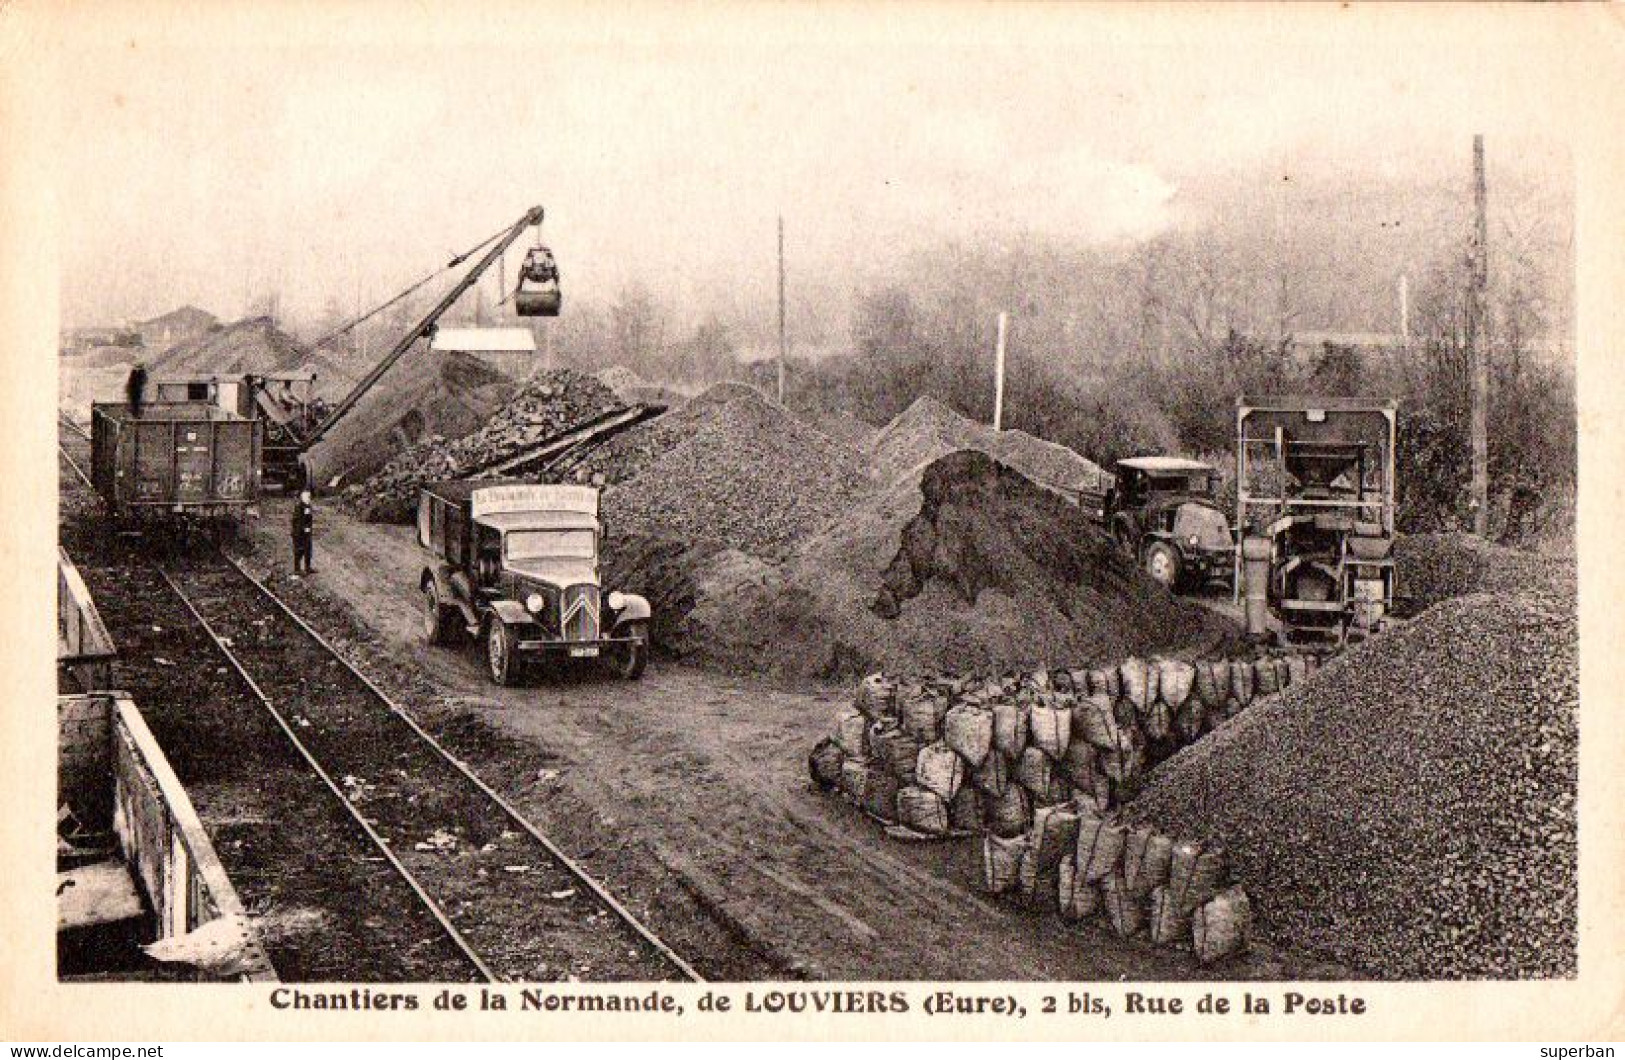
(136, 387)
(304, 531)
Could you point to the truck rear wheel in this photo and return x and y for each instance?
(440, 621)
(1162, 564)
(501, 653)
(630, 660)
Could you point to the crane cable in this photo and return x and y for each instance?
(452, 264)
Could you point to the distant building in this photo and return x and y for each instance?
(175, 327)
(511, 351)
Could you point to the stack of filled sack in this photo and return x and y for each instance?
(944, 755)
(1036, 762)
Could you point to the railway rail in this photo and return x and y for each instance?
(516, 905)
(513, 904)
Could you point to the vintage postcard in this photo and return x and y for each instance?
(811, 520)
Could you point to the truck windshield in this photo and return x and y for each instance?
(550, 544)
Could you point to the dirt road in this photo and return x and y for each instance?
(687, 792)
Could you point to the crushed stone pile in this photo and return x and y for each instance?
(1431, 568)
(1410, 809)
(748, 476)
(544, 406)
(422, 396)
(620, 379)
(929, 429)
(254, 344)
(996, 573)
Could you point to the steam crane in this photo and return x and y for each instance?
(537, 295)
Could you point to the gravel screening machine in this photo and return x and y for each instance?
(1315, 503)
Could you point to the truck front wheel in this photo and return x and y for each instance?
(629, 660)
(501, 653)
(1162, 564)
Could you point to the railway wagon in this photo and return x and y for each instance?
(188, 459)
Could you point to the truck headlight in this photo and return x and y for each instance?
(616, 601)
(1191, 540)
(535, 603)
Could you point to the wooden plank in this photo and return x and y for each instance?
(99, 893)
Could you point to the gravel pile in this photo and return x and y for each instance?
(1434, 567)
(986, 572)
(1410, 809)
(731, 468)
(546, 405)
(929, 429)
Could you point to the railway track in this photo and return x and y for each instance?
(513, 903)
(505, 898)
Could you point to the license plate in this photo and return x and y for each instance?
(583, 653)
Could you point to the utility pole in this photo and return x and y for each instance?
(1478, 341)
(998, 375)
(783, 345)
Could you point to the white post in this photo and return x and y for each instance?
(998, 377)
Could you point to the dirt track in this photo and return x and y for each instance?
(693, 785)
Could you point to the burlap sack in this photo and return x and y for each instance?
(1139, 681)
(968, 730)
(1297, 668)
(1222, 927)
(1241, 683)
(854, 780)
(880, 793)
(1195, 873)
(1041, 776)
(1079, 765)
(1190, 721)
(1038, 680)
(921, 716)
(1051, 724)
(1009, 728)
(922, 810)
(850, 727)
(899, 750)
(824, 763)
(1147, 857)
(965, 812)
(1213, 683)
(1105, 682)
(1008, 813)
(877, 697)
(1001, 862)
(1157, 720)
(1095, 719)
(1175, 681)
(1125, 911)
(1126, 759)
(1054, 835)
(1077, 897)
(940, 770)
(992, 776)
(1100, 847)
(1079, 680)
(1169, 924)
(1097, 798)
(1266, 678)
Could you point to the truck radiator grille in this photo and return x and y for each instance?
(579, 608)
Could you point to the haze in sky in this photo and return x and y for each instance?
(209, 153)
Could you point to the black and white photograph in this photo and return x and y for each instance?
(580, 500)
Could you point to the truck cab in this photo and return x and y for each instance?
(1165, 513)
(515, 565)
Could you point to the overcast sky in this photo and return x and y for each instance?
(337, 148)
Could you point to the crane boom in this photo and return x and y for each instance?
(533, 216)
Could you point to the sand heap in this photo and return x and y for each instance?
(929, 429)
(254, 344)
